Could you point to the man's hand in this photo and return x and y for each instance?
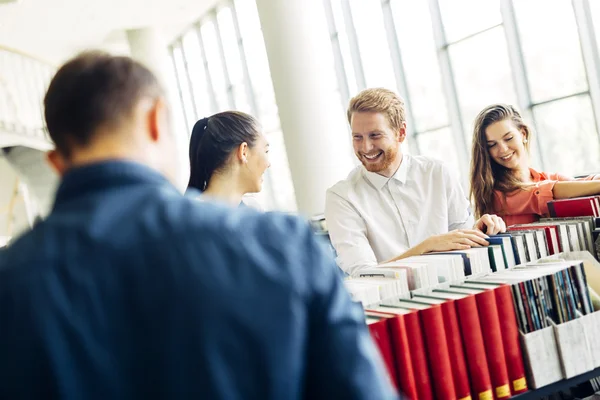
(490, 224)
(460, 239)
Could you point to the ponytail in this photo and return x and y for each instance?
(212, 142)
(199, 175)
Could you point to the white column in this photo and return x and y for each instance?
(148, 47)
(313, 125)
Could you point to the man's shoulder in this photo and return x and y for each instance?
(244, 225)
(183, 226)
(425, 166)
(342, 187)
(426, 162)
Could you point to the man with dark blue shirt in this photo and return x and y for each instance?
(129, 290)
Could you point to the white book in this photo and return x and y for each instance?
(477, 260)
(387, 288)
(574, 237)
(581, 235)
(450, 267)
(532, 249)
(482, 254)
(498, 257)
(365, 294)
(507, 248)
(399, 275)
(431, 265)
(542, 244)
(417, 273)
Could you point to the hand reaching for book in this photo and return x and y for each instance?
(460, 239)
(490, 224)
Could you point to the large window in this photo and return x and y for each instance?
(457, 56)
(221, 64)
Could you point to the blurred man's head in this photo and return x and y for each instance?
(101, 107)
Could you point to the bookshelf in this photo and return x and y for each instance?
(558, 386)
(534, 291)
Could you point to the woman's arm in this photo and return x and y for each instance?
(569, 189)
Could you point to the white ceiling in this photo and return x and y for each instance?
(57, 29)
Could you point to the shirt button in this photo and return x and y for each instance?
(537, 192)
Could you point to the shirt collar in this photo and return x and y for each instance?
(105, 175)
(379, 181)
(535, 176)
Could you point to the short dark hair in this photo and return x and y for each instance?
(94, 90)
(214, 139)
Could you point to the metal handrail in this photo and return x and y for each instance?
(23, 82)
(27, 55)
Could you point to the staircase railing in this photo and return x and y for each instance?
(23, 83)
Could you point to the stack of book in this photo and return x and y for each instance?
(576, 207)
(375, 289)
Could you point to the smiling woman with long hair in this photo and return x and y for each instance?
(502, 180)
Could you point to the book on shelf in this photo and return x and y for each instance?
(436, 347)
(456, 350)
(419, 274)
(508, 251)
(380, 332)
(492, 337)
(413, 379)
(575, 207)
(497, 258)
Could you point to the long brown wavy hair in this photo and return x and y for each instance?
(486, 174)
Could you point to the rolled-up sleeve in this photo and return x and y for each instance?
(532, 200)
(542, 193)
(348, 233)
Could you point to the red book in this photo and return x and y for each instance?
(510, 337)
(575, 207)
(418, 352)
(436, 345)
(492, 338)
(456, 350)
(380, 332)
(470, 327)
(414, 330)
(401, 347)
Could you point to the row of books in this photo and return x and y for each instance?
(579, 207)
(520, 245)
(557, 297)
(463, 341)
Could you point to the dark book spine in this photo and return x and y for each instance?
(575, 289)
(526, 307)
(551, 209)
(519, 307)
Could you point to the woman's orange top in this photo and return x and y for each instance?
(525, 206)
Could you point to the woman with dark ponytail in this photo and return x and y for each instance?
(228, 156)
